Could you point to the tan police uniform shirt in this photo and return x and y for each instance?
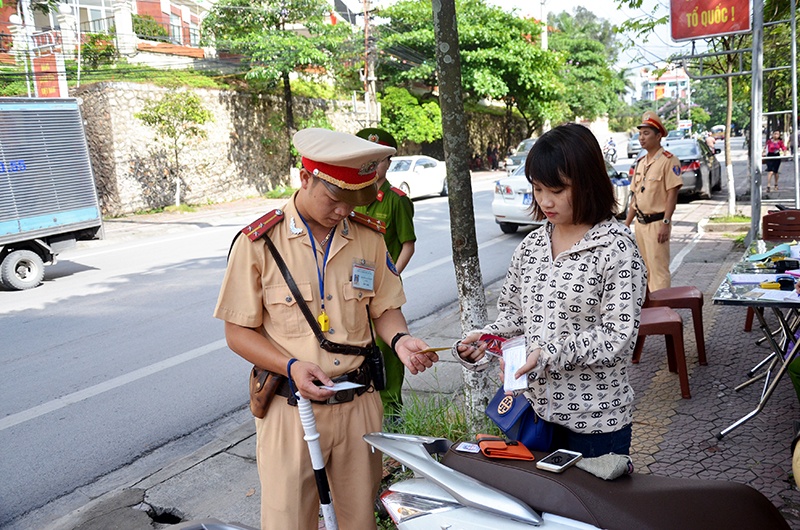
(254, 293)
(652, 181)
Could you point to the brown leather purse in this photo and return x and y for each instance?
(263, 385)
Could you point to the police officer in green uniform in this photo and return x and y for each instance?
(396, 210)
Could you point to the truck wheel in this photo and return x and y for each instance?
(22, 269)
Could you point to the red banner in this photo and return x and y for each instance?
(46, 72)
(697, 19)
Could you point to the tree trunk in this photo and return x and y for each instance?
(287, 103)
(728, 161)
(177, 175)
(469, 280)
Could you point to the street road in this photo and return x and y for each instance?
(115, 368)
(117, 354)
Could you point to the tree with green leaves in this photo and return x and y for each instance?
(500, 55)
(406, 118)
(178, 117)
(281, 37)
(589, 48)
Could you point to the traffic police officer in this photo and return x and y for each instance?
(339, 261)
(396, 211)
(655, 186)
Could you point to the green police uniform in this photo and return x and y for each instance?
(396, 210)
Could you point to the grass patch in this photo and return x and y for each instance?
(730, 219)
(280, 192)
(738, 239)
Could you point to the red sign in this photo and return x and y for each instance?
(698, 19)
(46, 72)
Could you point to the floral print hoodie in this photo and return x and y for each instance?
(582, 309)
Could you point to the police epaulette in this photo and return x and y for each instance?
(366, 220)
(260, 226)
(398, 191)
(668, 154)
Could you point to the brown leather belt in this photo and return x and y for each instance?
(359, 375)
(645, 218)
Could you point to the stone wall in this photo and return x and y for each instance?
(246, 152)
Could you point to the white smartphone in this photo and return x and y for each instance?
(559, 460)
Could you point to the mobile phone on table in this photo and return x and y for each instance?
(559, 460)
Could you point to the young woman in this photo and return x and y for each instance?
(574, 289)
(774, 147)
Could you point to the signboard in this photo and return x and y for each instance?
(699, 19)
(684, 124)
(50, 79)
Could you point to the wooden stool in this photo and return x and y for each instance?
(683, 297)
(665, 321)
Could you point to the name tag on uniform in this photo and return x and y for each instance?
(363, 275)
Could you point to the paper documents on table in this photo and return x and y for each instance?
(751, 278)
(774, 294)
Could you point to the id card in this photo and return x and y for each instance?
(363, 275)
(515, 354)
(467, 447)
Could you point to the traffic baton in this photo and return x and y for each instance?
(312, 439)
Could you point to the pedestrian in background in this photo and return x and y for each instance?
(774, 148)
(396, 211)
(339, 262)
(574, 290)
(655, 186)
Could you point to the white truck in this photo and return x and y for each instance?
(48, 199)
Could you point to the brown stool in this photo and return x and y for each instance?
(683, 297)
(665, 321)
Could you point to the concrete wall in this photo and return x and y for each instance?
(246, 152)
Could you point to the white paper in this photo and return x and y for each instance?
(752, 278)
(515, 354)
(774, 294)
(343, 385)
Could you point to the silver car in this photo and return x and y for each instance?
(513, 197)
(520, 154)
(418, 175)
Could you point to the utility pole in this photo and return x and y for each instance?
(755, 118)
(370, 96)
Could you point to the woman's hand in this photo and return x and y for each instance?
(530, 363)
(471, 349)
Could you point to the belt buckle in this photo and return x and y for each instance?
(342, 396)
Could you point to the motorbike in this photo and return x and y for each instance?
(610, 153)
(467, 491)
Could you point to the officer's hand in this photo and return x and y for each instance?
(409, 350)
(304, 374)
(663, 233)
(471, 349)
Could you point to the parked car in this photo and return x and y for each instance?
(517, 159)
(418, 175)
(513, 196)
(675, 135)
(700, 170)
(633, 145)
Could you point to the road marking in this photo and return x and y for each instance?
(449, 259)
(677, 261)
(111, 384)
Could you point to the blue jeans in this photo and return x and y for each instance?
(591, 445)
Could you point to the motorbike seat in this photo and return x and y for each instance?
(631, 501)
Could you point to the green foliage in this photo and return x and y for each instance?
(98, 49)
(588, 46)
(310, 89)
(500, 55)
(12, 81)
(407, 119)
(146, 27)
(280, 192)
(177, 116)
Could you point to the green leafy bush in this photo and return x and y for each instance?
(146, 27)
(98, 49)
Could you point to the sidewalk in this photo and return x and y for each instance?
(671, 436)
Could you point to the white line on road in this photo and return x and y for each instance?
(449, 259)
(111, 384)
